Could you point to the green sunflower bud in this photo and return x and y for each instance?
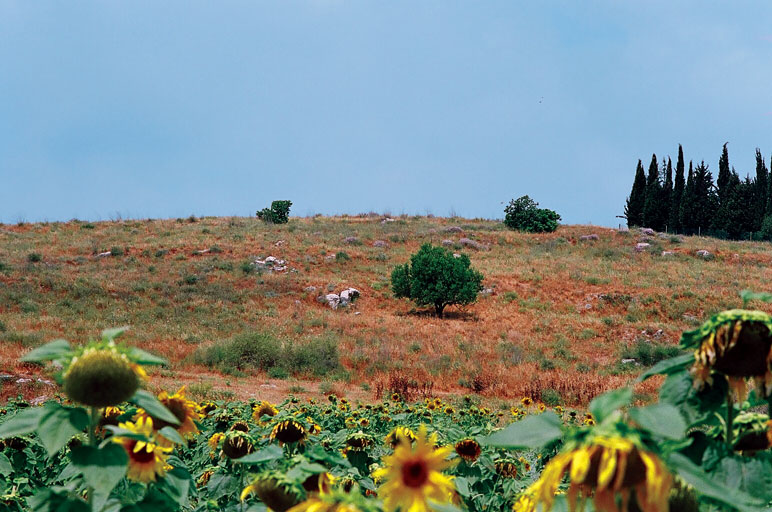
(100, 378)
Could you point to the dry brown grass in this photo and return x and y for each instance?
(560, 315)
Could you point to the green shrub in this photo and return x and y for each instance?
(116, 251)
(34, 257)
(648, 353)
(435, 277)
(342, 256)
(253, 350)
(551, 397)
(523, 214)
(278, 213)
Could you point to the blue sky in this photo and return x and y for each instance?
(166, 109)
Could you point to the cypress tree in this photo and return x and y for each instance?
(634, 203)
(678, 192)
(686, 215)
(705, 198)
(652, 204)
(761, 190)
(768, 207)
(724, 174)
(667, 195)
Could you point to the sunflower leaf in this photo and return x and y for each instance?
(270, 452)
(5, 465)
(58, 424)
(603, 405)
(153, 407)
(139, 356)
(668, 366)
(109, 334)
(24, 422)
(662, 419)
(102, 468)
(49, 352)
(531, 433)
(712, 488)
(172, 435)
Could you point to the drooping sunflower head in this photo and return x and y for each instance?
(100, 378)
(240, 425)
(359, 441)
(207, 408)
(736, 343)
(215, 440)
(273, 489)
(398, 435)
(288, 432)
(468, 449)
(752, 432)
(237, 444)
(506, 467)
(109, 416)
(413, 474)
(608, 467)
(147, 459)
(186, 411)
(263, 409)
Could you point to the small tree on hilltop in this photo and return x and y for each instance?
(524, 214)
(435, 277)
(278, 213)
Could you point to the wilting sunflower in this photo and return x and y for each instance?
(273, 489)
(736, 343)
(214, 441)
(398, 434)
(752, 430)
(207, 407)
(606, 467)
(110, 417)
(413, 475)
(263, 409)
(506, 467)
(237, 444)
(288, 431)
(186, 411)
(147, 459)
(468, 449)
(241, 426)
(359, 441)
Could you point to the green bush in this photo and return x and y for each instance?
(278, 213)
(34, 257)
(523, 214)
(648, 353)
(435, 277)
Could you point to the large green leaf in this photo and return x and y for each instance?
(6, 468)
(172, 435)
(270, 452)
(603, 405)
(154, 408)
(25, 422)
(749, 474)
(176, 484)
(532, 432)
(139, 356)
(661, 419)
(103, 467)
(668, 366)
(56, 499)
(696, 406)
(48, 352)
(712, 488)
(109, 334)
(58, 424)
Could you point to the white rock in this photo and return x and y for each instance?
(310, 289)
(703, 253)
(648, 231)
(348, 295)
(456, 255)
(590, 237)
(627, 361)
(641, 246)
(380, 243)
(668, 253)
(333, 300)
(447, 243)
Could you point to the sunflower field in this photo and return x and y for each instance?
(108, 445)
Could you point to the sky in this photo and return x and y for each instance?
(142, 109)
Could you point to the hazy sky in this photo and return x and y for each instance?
(166, 109)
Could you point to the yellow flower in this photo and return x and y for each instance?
(186, 411)
(468, 449)
(214, 441)
(263, 409)
(413, 475)
(609, 466)
(526, 401)
(147, 460)
(398, 434)
(288, 431)
(541, 407)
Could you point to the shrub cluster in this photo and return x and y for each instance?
(278, 213)
(523, 214)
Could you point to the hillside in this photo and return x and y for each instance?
(559, 317)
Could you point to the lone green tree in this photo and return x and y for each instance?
(278, 213)
(435, 277)
(524, 214)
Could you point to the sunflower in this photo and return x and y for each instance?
(237, 444)
(147, 459)
(449, 410)
(319, 483)
(359, 442)
(506, 468)
(288, 431)
(336, 501)
(207, 407)
(109, 417)
(241, 426)
(214, 441)
(413, 475)
(364, 422)
(399, 434)
(101, 377)
(273, 489)
(186, 411)
(468, 449)
(541, 407)
(736, 343)
(526, 401)
(395, 397)
(609, 466)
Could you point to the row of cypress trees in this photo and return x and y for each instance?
(691, 203)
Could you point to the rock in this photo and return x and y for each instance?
(456, 255)
(202, 251)
(279, 243)
(358, 313)
(628, 361)
(348, 295)
(589, 237)
(103, 254)
(329, 257)
(648, 232)
(702, 253)
(641, 246)
(6, 376)
(387, 219)
(333, 300)
(447, 243)
(309, 289)
(23, 380)
(269, 386)
(380, 243)
(668, 253)
(271, 263)
(351, 240)
(472, 244)
(453, 229)
(486, 292)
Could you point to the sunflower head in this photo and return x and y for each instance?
(263, 409)
(215, 440)
(147, 459)
(288, 432)
(736, 343)
(241, 426)
(398, 435)
(237, 444)
(413, 474)
(506, 467)
(526, 401)
(273, 489)
(359, 441)
(100, 378)
(318, 483)
(207, 408)
(468, 449)
(186, 411)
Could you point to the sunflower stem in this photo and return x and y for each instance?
(729, 419)
(92, 441)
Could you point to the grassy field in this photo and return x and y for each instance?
(560, 316)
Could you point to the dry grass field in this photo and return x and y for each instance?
(560, 316)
